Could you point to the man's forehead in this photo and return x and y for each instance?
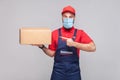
(68, 14)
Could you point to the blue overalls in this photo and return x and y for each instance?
(66, 61)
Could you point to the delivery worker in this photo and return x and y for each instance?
(65, 46)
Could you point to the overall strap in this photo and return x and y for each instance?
(74, 36)
(59, 32)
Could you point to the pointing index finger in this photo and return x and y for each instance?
(65, 38)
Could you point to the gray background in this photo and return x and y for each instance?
(99, 18)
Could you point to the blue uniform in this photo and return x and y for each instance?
(66, 61)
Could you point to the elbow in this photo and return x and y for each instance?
(92, 49)
(51, 55)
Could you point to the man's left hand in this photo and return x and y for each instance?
(69, 41)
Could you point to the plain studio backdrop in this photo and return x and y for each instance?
(99, 18)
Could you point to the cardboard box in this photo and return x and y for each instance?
(35, 36)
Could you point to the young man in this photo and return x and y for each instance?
(65, 46)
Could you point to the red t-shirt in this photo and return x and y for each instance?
(81, 37)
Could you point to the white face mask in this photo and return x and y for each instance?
(68, 23)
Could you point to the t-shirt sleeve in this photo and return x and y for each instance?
(85, 38)
(52, 46)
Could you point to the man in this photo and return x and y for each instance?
(65, 46)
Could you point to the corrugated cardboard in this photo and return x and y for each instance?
(35, 36)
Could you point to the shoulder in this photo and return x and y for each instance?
(54, 32)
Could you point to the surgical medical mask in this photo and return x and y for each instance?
(68, 23)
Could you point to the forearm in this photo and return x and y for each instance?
(85, 47)
(48, 52)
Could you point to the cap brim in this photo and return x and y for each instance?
(69, 12)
